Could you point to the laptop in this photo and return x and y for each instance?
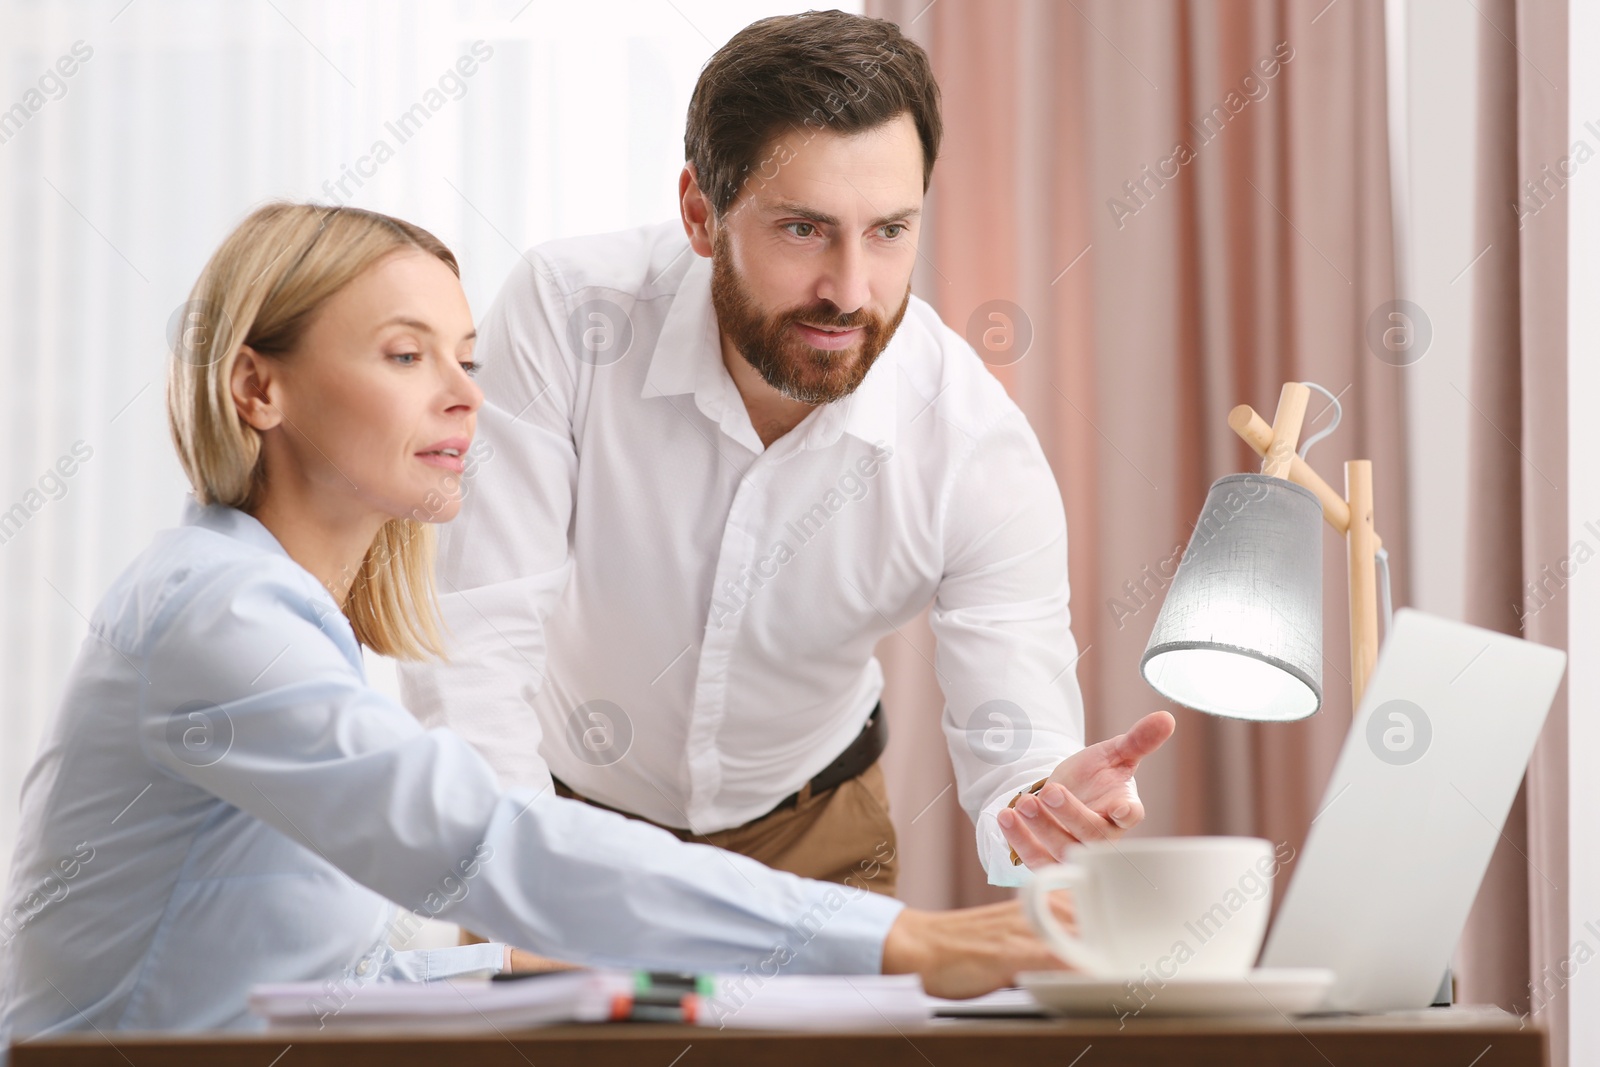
(1381, 891)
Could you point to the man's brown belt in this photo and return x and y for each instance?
(853, 762)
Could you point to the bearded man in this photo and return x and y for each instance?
(726, 456)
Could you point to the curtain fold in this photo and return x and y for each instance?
(1186, 205)
(1517, 935)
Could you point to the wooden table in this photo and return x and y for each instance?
(1446, 1037)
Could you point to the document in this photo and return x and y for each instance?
(739, 1001)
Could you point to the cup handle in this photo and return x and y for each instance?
(1036, 905)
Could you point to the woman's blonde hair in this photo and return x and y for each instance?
(262, 288)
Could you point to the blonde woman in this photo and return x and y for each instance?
(223, 800)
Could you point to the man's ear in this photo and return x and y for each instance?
(251, 384)
(699, 221)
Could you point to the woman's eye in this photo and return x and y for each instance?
(795, 228)
(471, 366)
(406, 359)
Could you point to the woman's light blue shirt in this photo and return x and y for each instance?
(223, 800)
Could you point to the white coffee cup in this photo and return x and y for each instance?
(1162, 906)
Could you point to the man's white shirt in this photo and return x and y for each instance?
(645, 602)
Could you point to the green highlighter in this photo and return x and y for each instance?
(669, 996)
(656, 997)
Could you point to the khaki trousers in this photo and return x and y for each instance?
(842, 835)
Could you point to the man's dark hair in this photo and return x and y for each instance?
(819, 70)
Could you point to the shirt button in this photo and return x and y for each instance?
(364, 966)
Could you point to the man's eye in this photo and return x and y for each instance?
(795, 228)
(406, 359)
(897, 227)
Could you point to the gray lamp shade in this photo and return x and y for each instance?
(1240, 632)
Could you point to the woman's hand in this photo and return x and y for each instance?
(972, 951)
(962, 953)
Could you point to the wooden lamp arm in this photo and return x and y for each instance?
(1352, 517)
(1258, 435)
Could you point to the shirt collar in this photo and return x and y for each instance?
(688, 344)
(871, 413)
(230, 522)
(688, 359)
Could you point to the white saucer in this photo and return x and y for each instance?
(1264, 991)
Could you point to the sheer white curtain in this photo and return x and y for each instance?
(177, 117)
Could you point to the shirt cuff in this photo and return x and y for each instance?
(843, 930)
(994, 851)
(462, 961)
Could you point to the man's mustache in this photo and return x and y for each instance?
(829, 315)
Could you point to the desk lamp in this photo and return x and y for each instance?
(1240, 631)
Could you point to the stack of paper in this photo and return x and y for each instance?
(812, 1002)
(745, 1001)
(463, 1004)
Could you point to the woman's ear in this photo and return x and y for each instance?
(250, 384)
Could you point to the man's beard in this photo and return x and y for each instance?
(770, 345)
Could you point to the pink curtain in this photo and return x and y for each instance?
(1161, 286)
(1517, 935)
